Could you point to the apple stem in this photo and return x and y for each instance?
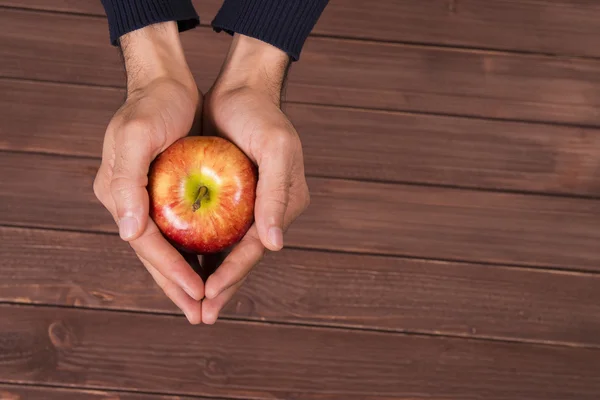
(202, 191)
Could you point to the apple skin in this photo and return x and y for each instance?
(195, 219)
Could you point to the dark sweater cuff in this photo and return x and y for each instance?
(125, 16)
(283, 23)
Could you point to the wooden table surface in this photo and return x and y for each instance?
(451, 250)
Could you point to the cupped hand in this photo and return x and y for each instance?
(244, 107)
(163, 104)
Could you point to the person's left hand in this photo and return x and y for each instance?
(244, 107)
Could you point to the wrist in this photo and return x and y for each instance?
(254, 64)
(153, 53)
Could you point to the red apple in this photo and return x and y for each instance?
(202, 191)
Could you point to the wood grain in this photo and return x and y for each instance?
(51, 51)
(138, 351)
(547, 26)
(61, 119)
(342, 143)
(333, 71)
(387, 293)
(393, 219)
(159, 353)
(25, 392)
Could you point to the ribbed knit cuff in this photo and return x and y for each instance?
(125, 16)
(283, 23)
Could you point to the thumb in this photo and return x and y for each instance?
(272, 197)
(133, 154)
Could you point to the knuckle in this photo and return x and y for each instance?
(138, 128)
(120, 185)
(283, 139)
(97, 187)
(100, 187)
(301, 199)
(145, 131)
(306, 200)
(135, 136)
(280, 185)
(124, 189)
(253, 249)
(275, 195)
(253, 252)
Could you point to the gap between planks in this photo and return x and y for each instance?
(548, 193)
(332, 106)
(331, 327)
(325, 324)
(518, 267)
(366, 180)
(104, 391)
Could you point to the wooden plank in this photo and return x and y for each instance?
(546, 26)
(343, 143)
(334, 71)
(430, 222)
(451, 224)
(58, 187)
(69, 6)
(61, 119)
(159, 353)
(85, 57)
(384, 293)
(447, 81)
(26, 392)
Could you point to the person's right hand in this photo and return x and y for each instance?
(163, 104)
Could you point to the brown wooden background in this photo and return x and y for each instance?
(451, 251)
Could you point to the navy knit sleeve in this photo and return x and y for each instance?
(283, 23)
(125, 16)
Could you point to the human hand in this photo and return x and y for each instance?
(163, 104)
(244, 107)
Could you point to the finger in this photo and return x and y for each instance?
(246, 254)
(272, 192)
(237, 265)
(211, 308)
(153, 247)
(133, 154)
(190, 307)
(237, 272)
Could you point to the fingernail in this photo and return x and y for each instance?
(128, 227)
(276, 237)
